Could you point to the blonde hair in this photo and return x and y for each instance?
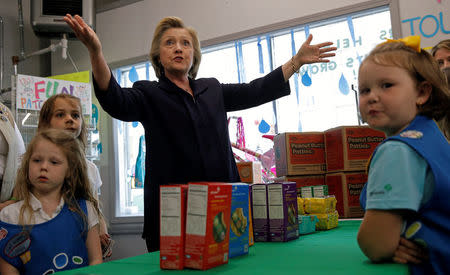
(164, 25)
(421, 67)
(76, 183)
(48, 108)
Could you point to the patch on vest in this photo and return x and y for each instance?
(411, 134)
(18, 245)
(3, 233)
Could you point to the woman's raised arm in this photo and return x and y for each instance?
(89, 38)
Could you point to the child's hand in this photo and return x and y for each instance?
(409, 252)
(107, 243)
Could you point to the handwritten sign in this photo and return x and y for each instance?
(33, 91)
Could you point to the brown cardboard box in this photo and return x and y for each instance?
(299, 153)
(250, 171)
(347, 187)
(348, 148)
(301, 181)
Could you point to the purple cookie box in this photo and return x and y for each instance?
(258, 197)
(283, 211)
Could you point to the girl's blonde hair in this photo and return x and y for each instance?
(169, 23)
(47, 110)
(421, 67)
(76, 183)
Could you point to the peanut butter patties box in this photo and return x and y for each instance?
(348, 148)
(347, 187)
(240, 220)
(172, 226)
(283, 211)
(259, 212)
(207, 224)
(299, 153)
(250, 171)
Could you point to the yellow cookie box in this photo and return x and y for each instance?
(319, 205)
(301, 206)
(327, 221)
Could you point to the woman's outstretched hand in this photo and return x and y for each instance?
(84, 33)
(308, 53)
(89, 38)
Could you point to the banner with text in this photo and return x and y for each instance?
(33, 91)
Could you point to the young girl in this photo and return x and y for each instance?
(402, 92)
(63, 111)
(54, 226)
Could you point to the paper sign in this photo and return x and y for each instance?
(33, 91)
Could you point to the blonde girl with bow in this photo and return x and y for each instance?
(403, 92)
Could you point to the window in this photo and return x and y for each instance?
(322, 95)
(130, 197)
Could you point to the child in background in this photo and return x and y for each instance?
(64, 112)
(441, 53)
(54, 225)
(402, 91)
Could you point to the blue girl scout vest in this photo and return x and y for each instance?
(56, 245)
(431, 228)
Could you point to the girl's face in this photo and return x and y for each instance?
(47, 169)
(176, 51)
(387, 97)
(67, 116)
(442, 56)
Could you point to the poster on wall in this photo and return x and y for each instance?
(33, 91)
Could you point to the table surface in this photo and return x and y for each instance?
(329, 252)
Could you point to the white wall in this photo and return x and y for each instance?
(37, 65)
(126, 34)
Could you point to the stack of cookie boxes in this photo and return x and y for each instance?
(336, 158)
(348, 151)
(195, 225)
(275, 212)
(300, 158)
(203, 224)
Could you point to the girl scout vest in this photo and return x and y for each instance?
(431, 228)
(56, 245)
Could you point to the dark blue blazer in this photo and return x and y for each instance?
(186, 136)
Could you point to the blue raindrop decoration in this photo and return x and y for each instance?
(263, 127)
(133, 75)
(343, 85)
(306, 79)
(134, 124)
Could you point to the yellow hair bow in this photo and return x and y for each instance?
(410, 41)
